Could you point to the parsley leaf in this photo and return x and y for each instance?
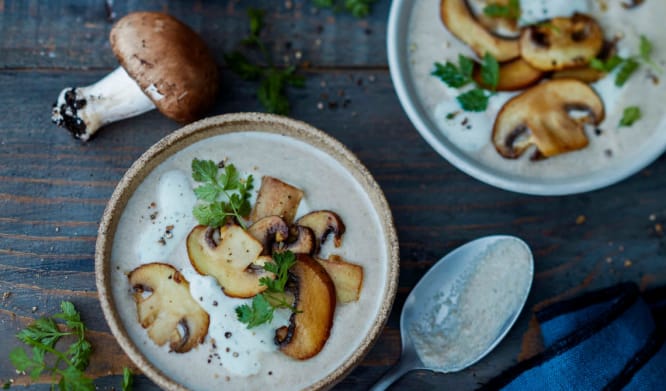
(630, 116)
(265, 303)
(228, 185)
(606, 65)
(455, 76)
(260, 312)
(128, 379)
(627, 69)
(490, 71)
(272, 90)
(511, 10)
(474, 100)
(358, 8)
(42, 336)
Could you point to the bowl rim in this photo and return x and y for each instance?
(225, 124)
(396, 42)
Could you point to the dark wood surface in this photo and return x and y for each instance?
(53, 189)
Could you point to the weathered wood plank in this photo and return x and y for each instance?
(53, 190)
(74, 34)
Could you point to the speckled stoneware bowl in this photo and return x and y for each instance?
(291, 143)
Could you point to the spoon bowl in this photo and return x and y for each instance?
(449, 298)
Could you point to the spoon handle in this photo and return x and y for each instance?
(408, 361)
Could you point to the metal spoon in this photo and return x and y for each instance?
(447, 276)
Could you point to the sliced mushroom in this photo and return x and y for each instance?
(235, 262)
(269, 231)
(304, 241)
(310, 325)
(323, 223)
(276, 198)
(541, 116)
(165, 307)
(347, 278)
(501, 26)
(561, 43)
(513, 75)
(460, 21)
(584, 74)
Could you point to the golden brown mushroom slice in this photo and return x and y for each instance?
(513, 75)
(276, 198)
(461, 22)
(541, 116)
(584, 74)
(347, 278)
(561, 43)
(310, 326)
(269, 231)
(301, 241)
(324, 223)
(165, 307)
(502, 26)
(235, 261)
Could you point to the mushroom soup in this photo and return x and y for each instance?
(154, 227)
(607, 145)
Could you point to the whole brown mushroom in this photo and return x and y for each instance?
(163, 64)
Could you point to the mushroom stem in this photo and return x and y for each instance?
(83, 110)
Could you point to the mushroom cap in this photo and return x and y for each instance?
(541, 116)
(169, 61)
(561, 43)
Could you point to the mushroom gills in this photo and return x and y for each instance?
(83, 110)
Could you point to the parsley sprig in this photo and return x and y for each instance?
(627, 66)
(272, 91)
(45, 357)
(511, 10)
(630, 116)
(221, 195)
(458, 76)
(358, 8)
(263, 305)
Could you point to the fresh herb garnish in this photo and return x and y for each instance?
(474, 100)
(272, 91)
(455, 76)
(511, 10)
(490, 71)
(264, 304)
(42, 336)
(630, 116)
(461, 75)
(627, 66)
(128, 379)
(234, 190)
(358, 8)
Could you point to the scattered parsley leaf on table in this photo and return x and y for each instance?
(212, 211)
(264, 304)
(128, 379)
(272, 90)
(42, 336)
(630, 116)
(358, 8)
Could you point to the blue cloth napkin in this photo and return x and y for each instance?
(612, 339)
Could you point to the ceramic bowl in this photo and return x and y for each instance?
(258, 144)
(635, 154)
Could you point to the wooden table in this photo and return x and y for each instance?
(53, 189)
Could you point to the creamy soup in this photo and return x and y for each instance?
(157, 219)
(429, 42)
